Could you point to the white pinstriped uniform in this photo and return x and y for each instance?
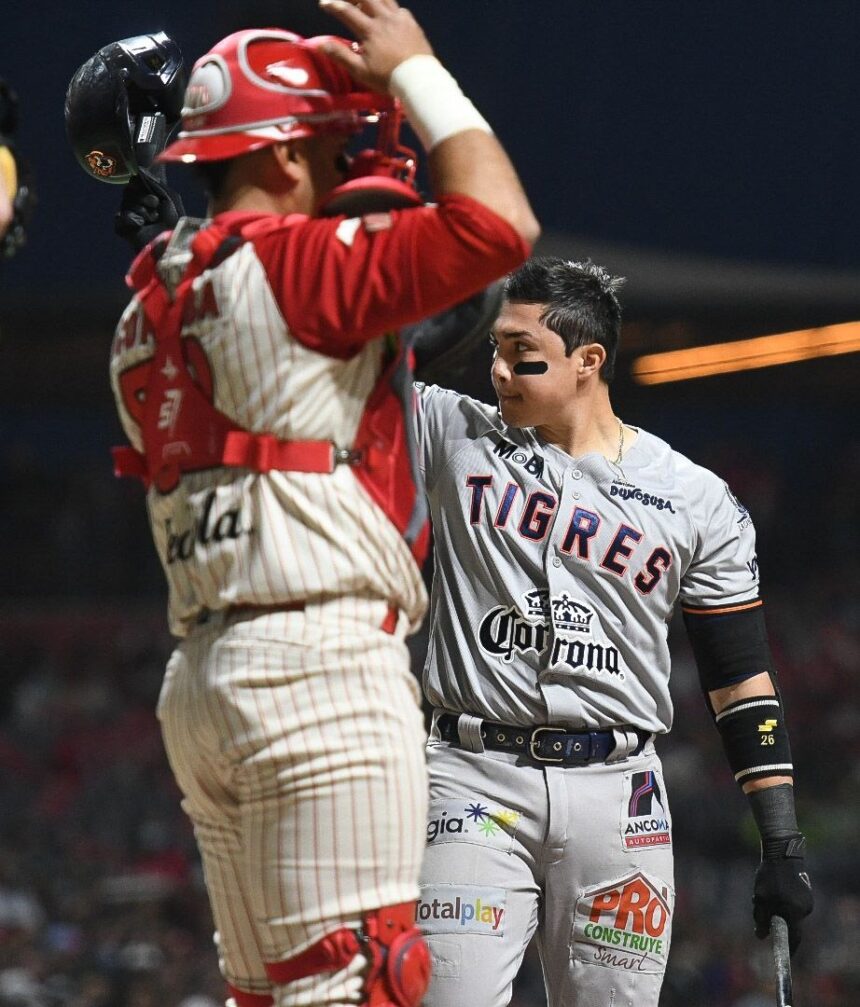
(310, 797)
(299, 535)
(296, 737)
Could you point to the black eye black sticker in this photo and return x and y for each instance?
(531, 367)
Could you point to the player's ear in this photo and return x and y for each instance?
(591, 358)
(286, 154)
(288, 162)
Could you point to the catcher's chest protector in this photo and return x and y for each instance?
(182, 431)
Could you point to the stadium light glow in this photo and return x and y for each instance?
(746, 354)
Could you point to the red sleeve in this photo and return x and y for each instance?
(341, 283)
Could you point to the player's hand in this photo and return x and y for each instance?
(782, 888)
(386, 33)
(148, 207)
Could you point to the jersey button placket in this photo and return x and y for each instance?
(574, 475)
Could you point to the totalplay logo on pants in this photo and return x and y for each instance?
(461, 909)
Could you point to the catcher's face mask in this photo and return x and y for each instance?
(257, 88)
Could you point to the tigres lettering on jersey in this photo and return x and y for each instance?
(591, 557)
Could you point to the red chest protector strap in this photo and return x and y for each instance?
(182, 430)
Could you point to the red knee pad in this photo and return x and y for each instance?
(400, 969)
(399, 960)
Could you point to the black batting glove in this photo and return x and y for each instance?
(148, 207)
(782, 887)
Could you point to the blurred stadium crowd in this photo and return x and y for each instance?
(101, 899)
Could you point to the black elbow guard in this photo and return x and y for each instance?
(729, 643)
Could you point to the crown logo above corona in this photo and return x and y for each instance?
(569, 615)
(537, 604)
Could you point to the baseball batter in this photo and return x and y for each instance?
(564, 537)
(265, 393)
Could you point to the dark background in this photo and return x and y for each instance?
(728, 129)
(706, 151)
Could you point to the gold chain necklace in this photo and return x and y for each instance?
(620, 443)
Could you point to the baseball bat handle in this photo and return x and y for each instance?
(781, 961)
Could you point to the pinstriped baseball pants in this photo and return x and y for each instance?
(297, 742)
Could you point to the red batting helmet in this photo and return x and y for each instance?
(259, 87)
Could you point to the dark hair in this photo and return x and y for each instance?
(212, 175)
(580, 302)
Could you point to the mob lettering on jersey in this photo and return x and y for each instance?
(532, 515)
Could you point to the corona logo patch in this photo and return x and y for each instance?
(767, 726)
(101, 164)
(554, 623)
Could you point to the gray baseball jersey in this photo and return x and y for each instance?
(556, 577)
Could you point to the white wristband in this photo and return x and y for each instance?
(434, 104)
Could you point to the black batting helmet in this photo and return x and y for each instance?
(118, 101)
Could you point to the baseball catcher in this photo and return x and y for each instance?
(123, 103)
(262, 375)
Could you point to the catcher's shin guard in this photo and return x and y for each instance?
(399, 970)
